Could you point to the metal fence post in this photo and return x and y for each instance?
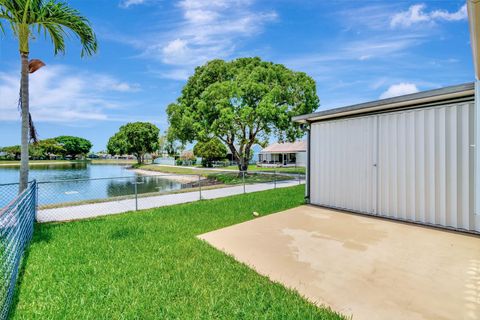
(275, 179)
(200, 185)
(243, 178)
(36, 195)
(136, 194)
(299, 179)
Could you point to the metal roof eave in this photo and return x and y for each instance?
(446, 93)
(281, 151)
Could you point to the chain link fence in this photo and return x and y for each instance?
(8, 192)
(63, 200)
(16, 228)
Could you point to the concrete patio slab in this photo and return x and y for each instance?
(365, 267)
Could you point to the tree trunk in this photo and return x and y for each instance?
(242, 163)
(25, 123)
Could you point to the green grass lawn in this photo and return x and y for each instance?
(171, 169)
(112, 161)
(232, 178)
(229, 178)
(198, 170)
(284, 170)
(150, 265)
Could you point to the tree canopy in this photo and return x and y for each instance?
(13, 152)
(209, 151)
(44, 149)
(242, 102)
(137, 138)
(74, 146)
(62, 146)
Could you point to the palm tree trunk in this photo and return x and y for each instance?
(25, 123)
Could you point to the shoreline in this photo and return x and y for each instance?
(17, 164)
(62, 162)
(182, 178)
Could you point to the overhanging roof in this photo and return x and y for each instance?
(405, 101)
(473, 7)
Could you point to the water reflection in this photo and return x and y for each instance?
(56, 185)
(145, 184)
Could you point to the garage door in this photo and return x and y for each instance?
(414, 165)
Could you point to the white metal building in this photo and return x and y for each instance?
(412, 158)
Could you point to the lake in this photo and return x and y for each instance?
(90, 182)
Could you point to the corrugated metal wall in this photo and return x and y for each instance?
(414, 165)
(342, 171)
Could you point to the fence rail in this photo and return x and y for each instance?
(62, 200)
(16, 229)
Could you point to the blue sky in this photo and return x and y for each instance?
(355, 50)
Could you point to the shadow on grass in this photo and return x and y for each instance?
(125, 233)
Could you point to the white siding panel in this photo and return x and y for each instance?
(343, 163)
(425, 166)
(414, 165)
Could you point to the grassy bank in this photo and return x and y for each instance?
(254, 168)
(173, 170)
(112, 161)
(200, 170)
(225, 177)
(150, 265)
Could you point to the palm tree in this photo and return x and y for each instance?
(41, 17)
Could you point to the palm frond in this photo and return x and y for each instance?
(53, 18)
(13, 9)
(56, 18)
(33, 131)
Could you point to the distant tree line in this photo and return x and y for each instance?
(63, 147)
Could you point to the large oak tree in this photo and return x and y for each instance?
(74, 146)
(242, 102)
(137, 138)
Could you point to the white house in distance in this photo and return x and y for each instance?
(292, 154)
(413, 158)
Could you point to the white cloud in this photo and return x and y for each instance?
(372, 16)
(416, 14)
(399, 89)
(60, 93)
(363, 50)
(365, 57)
(208, 30)
(128, 3)
(176, 52)
(461, 14)
(108, 83)
(174, 74)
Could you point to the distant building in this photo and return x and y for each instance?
(292, 154)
